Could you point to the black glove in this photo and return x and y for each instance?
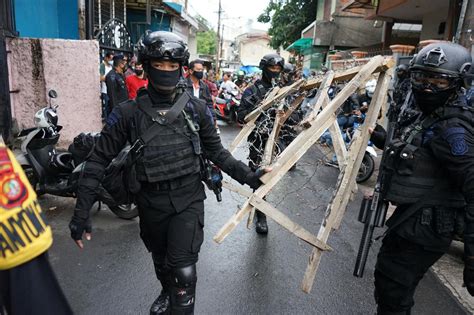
(80, 223)
(253, 178)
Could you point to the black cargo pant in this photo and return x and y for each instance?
(407, 253)
(171, 226)
(32, 288)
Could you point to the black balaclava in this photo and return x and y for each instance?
(268, 75)
(428, 101)
(162, 85)
(138, 72)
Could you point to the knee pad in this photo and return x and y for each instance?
(183, 289)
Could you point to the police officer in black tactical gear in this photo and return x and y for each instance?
(171, 197)
(271, 66)
(287, 77)
(430, 177)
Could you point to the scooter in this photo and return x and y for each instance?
(226, 107)
(367, 167)
(57, 172)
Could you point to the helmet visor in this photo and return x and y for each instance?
(168, 50)
(434, 81)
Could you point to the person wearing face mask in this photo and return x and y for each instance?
(116, 88)
(168, 167)
(271, 66)
(198, 88)
(104, 68)
(136, 81)
(430, 177)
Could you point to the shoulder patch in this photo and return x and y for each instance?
(455, 136)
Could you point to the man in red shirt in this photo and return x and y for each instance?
(136, 81)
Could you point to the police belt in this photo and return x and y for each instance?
(172, 184)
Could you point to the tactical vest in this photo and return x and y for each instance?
(24, 233)
(173, 153)
(414, 173)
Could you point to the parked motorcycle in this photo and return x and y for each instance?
(55, 172)
(225, 107)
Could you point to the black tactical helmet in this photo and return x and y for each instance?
(271, 60)
(443, 58)
(162, 45)
(403, 68)
(288, 68)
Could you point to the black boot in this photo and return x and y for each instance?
(162, 303)
(261, 225)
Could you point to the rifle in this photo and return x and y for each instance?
(373, 209)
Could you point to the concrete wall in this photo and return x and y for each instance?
(253, 50)
(68, 66)
(347, 32)
(431, 24)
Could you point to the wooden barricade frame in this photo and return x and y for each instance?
(315, 124)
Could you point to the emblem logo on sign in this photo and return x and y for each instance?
(14, 192)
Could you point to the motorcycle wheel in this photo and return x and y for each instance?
(366, 169)
(32, 178)
(126, 211)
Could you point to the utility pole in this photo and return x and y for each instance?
(221, 43)
(218, 44)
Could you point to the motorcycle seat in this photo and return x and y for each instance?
(24, 132)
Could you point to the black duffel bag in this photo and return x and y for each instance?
(120, 179)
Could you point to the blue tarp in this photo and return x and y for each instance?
(250, 69)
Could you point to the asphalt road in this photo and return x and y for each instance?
(247, 273)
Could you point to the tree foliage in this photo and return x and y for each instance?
(288, 18)
(206, 42)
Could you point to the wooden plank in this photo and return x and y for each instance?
(346, 177)
(362, 136)
(243, 134)
(321, 120)
(338, 142)
(325, 85)
(350, 73)
(250, 125)
(280, 119)
(278, 217)
(282, 93)
(300, 145)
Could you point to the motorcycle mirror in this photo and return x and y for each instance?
(52, 94)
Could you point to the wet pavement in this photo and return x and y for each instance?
(247, 273)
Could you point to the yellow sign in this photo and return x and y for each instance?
(24, 233)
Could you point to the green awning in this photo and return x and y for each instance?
(301, 44)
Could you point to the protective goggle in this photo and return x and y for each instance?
(432, 81)
(171, 50)
(276, 62)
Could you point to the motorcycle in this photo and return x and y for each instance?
(367, 167)
(226, 107)
(55, 172)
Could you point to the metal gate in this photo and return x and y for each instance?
(115, 37)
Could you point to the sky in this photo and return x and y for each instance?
(235, 16)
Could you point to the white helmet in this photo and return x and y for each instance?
(46, 117)
(370, 87)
